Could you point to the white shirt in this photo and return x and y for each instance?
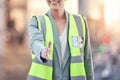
(63, 42)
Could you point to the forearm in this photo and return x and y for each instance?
(36, 39)
(89, 66)
(88, 62)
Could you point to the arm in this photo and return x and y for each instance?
(88, 57)
(36, 39)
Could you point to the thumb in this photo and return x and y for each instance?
(49, 45)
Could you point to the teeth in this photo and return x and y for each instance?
(53, 1)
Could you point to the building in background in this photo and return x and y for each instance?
(112, 17)
(2, 27)
(14, 46)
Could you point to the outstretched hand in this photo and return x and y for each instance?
(46, 52)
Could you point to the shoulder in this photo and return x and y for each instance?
(81, 15)
(78, 16)
(34, 19)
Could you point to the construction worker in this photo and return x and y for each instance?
(60, 45)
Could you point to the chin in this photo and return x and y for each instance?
(54, 8)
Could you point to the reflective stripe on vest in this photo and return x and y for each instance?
(77, 70)
(46, 67)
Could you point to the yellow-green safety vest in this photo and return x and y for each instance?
(44, 71)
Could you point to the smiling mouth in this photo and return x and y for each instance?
(54, 2)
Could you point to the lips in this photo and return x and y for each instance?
(54, 1)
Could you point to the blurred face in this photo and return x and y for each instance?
(55, 4)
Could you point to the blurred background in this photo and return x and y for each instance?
(103, 21)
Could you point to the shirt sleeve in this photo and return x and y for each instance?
(36, 39)
(88, 56)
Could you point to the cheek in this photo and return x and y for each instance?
(47, 1)
(62, 3)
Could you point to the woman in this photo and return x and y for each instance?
(60, 46)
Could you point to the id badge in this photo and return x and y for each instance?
(77, 41)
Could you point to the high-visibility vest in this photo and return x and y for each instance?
(77, 71)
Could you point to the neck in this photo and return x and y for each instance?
(58, 14)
